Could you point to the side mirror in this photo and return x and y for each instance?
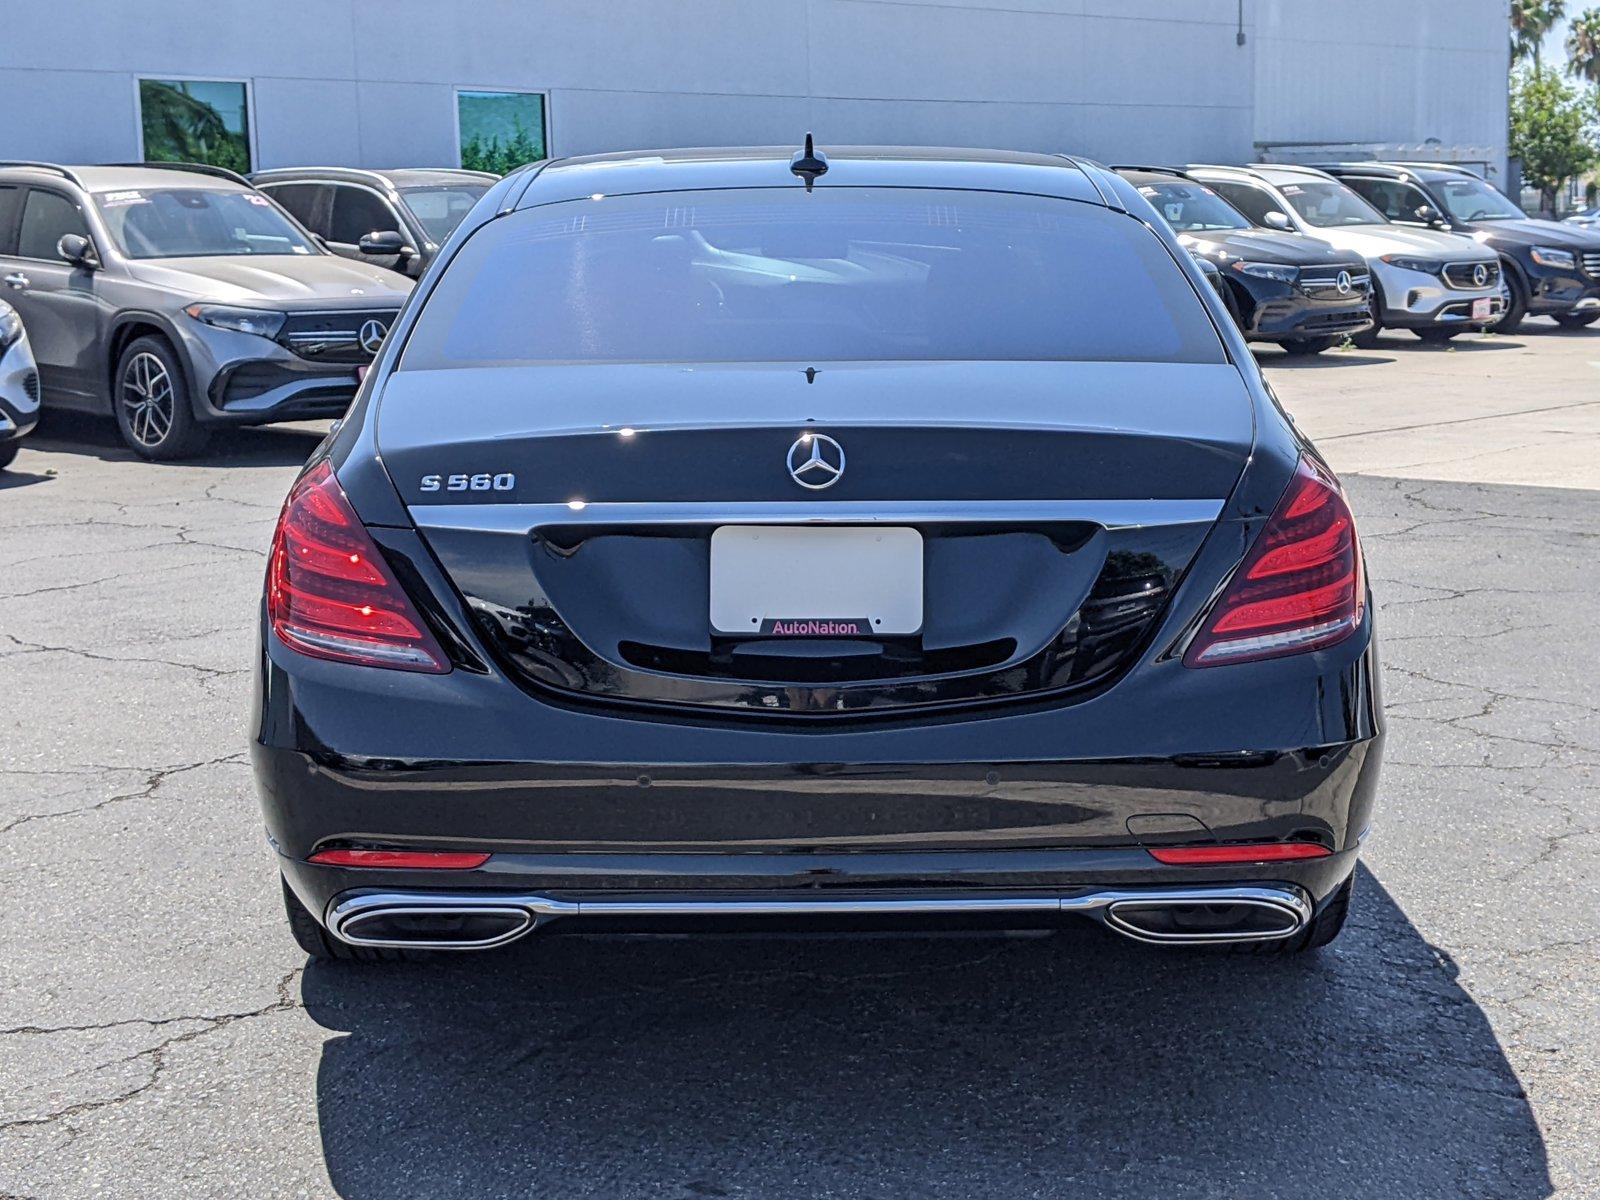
(1429, 215)
(384, 242)
(1278, 220)
(77, 250)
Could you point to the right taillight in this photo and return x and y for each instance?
(329, 592)
(1301, 587)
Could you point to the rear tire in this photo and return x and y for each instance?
(316, 941)
(1324, 927)
(150, 396)
(1305, 347)
(1577, 320)
(8, 453)
(1436, 337)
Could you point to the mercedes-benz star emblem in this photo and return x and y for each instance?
(371, 335)
(816, 461)
(1480, 274)
(1343, 283)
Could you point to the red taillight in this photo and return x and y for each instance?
(1301, 587)
(329, 592)
(1200, 856)
(407, 860)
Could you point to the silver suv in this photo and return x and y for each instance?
(178, 298)
(1434, 284)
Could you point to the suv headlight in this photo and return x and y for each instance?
(10, 327)
(1549, 256)
(1427, 266)
(1268, 271)
(240, 320)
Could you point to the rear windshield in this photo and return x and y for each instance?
(197, 223)
(441, 208)
(838, 274)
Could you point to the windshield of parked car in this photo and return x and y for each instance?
(197, 223)
(1325, 203)
(441, 209)
(1193, 206)
(838, 274)
(1475, 200)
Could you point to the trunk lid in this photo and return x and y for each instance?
(1058, 502)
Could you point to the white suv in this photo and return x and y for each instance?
(1434, 284)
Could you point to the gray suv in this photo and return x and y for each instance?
(396, 219)
(179, 298)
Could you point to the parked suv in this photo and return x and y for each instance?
(1281, 287)
(1434, 284)
(396, 219)
(1548, 269)
(19, 385)
(179, 298)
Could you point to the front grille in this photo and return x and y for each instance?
(30, 384)
(1591, 262)
(332, 337)
(1323, 283)
(1463, 275)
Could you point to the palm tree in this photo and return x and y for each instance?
(1583, 45)
(1530, 21)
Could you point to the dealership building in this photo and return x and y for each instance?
(439, 82)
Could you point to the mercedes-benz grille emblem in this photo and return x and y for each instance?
(371, 335)
(1343, 283)
(816, 461)
(1480, 274)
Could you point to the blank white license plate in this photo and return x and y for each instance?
(815, 581)
(1482, 308)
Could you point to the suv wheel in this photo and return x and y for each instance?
(1516, 296)
(1436, 336)
(8, 451)
(1577, 320)
(1314, 345)
(151, 398)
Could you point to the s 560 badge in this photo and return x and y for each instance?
(503, 482)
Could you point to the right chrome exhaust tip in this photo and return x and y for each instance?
(1210, 915)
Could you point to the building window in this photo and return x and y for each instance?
(196, 120)
(500, 131)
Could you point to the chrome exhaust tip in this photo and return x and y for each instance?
(424, 926)
(1209, 915)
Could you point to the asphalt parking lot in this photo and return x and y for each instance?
(160, 1034)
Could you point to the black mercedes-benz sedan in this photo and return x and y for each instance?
(1281, 286)
(748, 538)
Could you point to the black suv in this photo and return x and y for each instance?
(1280, 287)
(396, 219)
(1550, 268)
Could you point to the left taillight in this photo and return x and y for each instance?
(1301, 587)
(329, 592)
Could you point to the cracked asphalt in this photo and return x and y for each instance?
(161, 1036)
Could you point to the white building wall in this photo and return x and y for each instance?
(371, 82)
(1384, 74)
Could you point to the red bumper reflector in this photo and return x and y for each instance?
(401, 860)
(1198, 856)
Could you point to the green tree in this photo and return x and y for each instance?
(1552, 126)
(1583, 45)
(1530, 21)
(491, 154)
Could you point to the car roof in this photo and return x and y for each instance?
(113, 177)
(1404, 170)
(396, 177)
(848, 166)
(1146, 176)
(1274, 173)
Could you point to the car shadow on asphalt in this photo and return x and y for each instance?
(253, 446)
(1328, 358)
(962, 1067)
